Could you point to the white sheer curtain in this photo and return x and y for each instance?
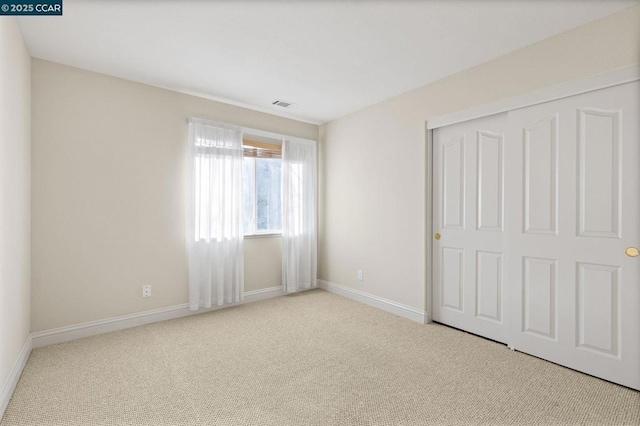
(214, 214)
(299, 215)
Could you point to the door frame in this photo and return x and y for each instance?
(564, 90)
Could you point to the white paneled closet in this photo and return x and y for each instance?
(536, 221)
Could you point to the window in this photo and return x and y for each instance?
(262, 198)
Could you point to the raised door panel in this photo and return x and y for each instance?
(489, 180)
(540, 180)
(489, 278)
(599, 171)
(453, 191)
(453, 279)
(539, 297)
(598, 314)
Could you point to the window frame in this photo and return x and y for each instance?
(255, 232)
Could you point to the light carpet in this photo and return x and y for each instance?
(309, 359)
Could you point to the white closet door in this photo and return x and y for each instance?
(469, 259)
(572, 193)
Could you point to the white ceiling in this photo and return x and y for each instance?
(328, 57)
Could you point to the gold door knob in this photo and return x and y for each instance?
(632, 252)
(437, 237)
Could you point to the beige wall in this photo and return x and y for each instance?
(263, 262)
(373, 161)
(109, 164)
(15, 198)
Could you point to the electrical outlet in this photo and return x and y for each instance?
(146, 291)
(360, 275)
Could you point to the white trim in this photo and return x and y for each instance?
(14, 375)
(395, 308)
(92, 328)
(270, 135)
(428, 225)
(564, 90)
(263, 293)
(248, 130)
(266, 235)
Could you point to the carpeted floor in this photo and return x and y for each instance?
(308, 359)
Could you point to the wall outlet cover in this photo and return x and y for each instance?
(146, 291)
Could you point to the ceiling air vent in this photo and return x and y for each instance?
(283, 104)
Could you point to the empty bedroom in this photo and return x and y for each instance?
(319, 212)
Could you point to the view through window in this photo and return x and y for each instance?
(262, 191)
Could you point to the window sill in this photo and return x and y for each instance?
(250, 237)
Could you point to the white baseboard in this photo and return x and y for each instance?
(396, 308)
(263, 293)
(14, 375)
(92, 328)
